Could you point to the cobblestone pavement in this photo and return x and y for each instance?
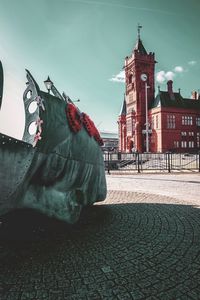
(132, 246)
(177, 185)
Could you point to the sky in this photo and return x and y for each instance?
(81, 45)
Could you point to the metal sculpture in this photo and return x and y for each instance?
(1, 83)
(53, 170)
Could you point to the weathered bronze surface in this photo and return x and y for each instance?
(1, 83)
(53, 170)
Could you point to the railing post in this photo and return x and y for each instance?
(108, 163)
(168, 162)
(138, 161)
(199, 161)
(119, 155)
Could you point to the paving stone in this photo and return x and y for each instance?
(132, 246)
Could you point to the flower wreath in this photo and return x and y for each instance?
(74, 117)
(76, 120)
(91, 128)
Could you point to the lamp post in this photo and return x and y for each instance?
(48, 83)
(144, 78)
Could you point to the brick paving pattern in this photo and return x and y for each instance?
(132, 246)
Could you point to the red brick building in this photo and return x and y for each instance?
(165, 122)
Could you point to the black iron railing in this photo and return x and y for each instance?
(139, 162)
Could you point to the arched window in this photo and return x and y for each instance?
(130, 78)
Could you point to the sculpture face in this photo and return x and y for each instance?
(54, 170)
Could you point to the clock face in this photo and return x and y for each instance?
(143, 77)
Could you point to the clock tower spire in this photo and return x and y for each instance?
(138, 63)
(138, 30)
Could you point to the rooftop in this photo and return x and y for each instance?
(167, 99)
(109, 135)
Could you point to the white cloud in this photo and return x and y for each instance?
(192, 62)
(119, 77)
(178, 69)
(162, 76)
(169, 75)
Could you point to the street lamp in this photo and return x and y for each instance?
(144, 78)
(48, 83)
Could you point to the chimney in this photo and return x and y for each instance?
(170, 89)
(170, 86)
(194, 95)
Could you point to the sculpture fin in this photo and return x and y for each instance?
(31, 94)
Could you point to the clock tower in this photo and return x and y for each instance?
(139, 71)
